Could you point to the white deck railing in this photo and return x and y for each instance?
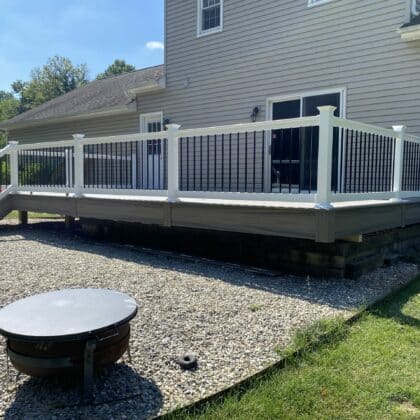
(337, 160)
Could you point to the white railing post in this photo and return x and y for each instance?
(399, 161)
(14, 166)
(325, 155)
(173, 161)
(79, 176)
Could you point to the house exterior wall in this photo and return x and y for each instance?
(111, 125)
(274, 48)
(282, 47)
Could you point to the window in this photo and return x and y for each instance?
(151, 123)
(210, 16)
(317, 2)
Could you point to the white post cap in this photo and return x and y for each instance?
(398, 128)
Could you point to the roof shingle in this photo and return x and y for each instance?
(97, 96)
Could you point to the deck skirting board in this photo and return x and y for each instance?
(320, 225)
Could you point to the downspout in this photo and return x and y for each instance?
(414, 10)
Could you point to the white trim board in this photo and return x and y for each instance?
(290, 97)
(200, 32)
(150, 117)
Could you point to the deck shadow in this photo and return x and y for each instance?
(394, 309)
(338, 293)
(119, 393)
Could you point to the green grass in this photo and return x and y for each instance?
(367, 370)
(255, 307)
(33, 215)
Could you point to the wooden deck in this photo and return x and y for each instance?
(292, 220)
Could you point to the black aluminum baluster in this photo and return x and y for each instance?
(237, 162)
(223, 162)
(215, 163)
(246, 162)
(254, 162)
(201, 163)
(262, 159)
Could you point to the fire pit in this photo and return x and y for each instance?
(68, 332)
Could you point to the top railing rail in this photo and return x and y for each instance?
(251, 127)
(341, 160)
(366, 128)
(97, 140)
(5, 150)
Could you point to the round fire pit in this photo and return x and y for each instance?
(68, 332)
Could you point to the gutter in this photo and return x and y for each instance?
(159, 85)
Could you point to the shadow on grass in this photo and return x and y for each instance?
(391, 307)
(119, 392)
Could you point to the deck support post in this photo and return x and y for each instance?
(399, 162)
(78, 164)
(325, 156)
(14, 165)
(69, 222)
(23, 217)
(173, 162)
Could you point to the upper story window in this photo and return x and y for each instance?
(317, 2)
(210, 16)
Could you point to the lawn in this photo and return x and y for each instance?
(367, 370)
(32, 215)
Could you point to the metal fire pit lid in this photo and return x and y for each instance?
(66, 315)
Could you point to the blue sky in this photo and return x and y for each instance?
(94, 32)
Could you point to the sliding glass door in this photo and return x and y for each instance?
(294, 152)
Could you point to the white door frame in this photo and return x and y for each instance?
(150, 160)
(270, 101)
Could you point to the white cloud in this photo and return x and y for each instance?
(155, 45)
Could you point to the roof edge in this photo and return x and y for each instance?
(158, 85)
(35, 123)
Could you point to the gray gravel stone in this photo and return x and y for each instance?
(231, 319)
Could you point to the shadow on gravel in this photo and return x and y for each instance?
(335, 292)
(119, 393)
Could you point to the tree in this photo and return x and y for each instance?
(117, 67)
(56, 77)
(9, 107)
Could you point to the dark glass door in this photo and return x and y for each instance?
(294, 152)
(285, 149)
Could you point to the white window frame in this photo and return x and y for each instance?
(293, 97)
(200, 31)
(149, 117)
(313, 3)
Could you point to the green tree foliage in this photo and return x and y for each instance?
(117, 67)
(58, 76)
(9, 107)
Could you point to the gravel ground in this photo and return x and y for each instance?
(231, 319)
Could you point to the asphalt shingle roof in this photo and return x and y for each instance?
(97, 96)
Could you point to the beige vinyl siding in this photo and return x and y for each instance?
(94, 127)
(281, 47)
